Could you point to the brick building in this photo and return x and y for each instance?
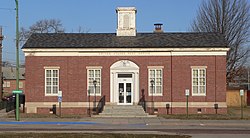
(127, 67)
(9, 80)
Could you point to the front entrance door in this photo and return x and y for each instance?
(125, 89)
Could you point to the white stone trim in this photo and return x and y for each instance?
(126, 52)
(155, 67)
(198, 67)
(121, 49)
(93, 67)
(63, 54)
(51, 67)
(124, 66)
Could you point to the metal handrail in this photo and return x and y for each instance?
(100, 105)
(142, 101)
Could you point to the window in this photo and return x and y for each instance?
(94, 74)
(51, 82)
(20, 84)
(156, 76)
(199, 81)
(6, 84)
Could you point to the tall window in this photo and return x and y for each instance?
(156, 76)
(94, 74)
(51, 81)
(20, 84)
(199, 81)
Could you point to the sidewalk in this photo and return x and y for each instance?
(156, 122)
(155, 125)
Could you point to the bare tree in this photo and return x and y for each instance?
(42, 26)
(231, 18)
(80, 29)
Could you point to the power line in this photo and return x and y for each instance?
(7, 9)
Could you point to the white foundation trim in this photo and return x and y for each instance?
(190, 104)
(32, 106)
(156, 104)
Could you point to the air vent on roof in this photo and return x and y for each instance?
(158, 28)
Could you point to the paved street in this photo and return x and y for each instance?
(196, 128)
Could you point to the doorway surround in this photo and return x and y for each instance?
(124, 67)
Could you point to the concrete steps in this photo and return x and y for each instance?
(3, 113)
(123, 111)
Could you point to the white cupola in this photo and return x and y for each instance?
(126, 21)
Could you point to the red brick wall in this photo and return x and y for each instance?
(182, 78)
(8, 90)
(74, 87)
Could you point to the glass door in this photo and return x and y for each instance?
(128, 92)
(125, 93)
(125, 88)
(121, 93)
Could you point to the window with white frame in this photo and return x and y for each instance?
(6, 84)
(94, 75)
(51, 82)
(20, 84)
(199, 81)
(155, 81)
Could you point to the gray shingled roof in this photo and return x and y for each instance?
(141, 40)
(9, 73)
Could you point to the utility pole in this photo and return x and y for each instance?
(1, 76)
(17, 63)
(248, 82)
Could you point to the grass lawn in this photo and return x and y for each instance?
(84, 135)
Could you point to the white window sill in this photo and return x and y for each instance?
(94, 95)
(155, 95)
(51, 94)
(198, 94)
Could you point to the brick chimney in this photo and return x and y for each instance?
(158, 28)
